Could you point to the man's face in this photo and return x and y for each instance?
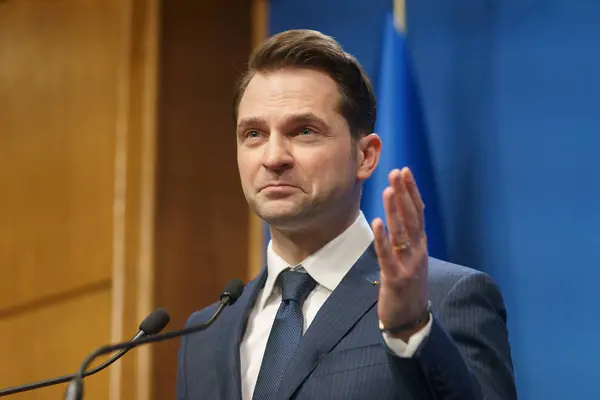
(296, 158)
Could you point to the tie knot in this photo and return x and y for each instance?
(296, 285)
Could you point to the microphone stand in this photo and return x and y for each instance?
(75, 389)
(65, 378)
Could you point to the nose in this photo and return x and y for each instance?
(277, 155)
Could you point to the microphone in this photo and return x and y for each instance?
(233, 290)
(151, 325)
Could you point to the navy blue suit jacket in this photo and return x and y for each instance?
(343, 356)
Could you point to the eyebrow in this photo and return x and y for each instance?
(300, 118)
(305, 118)
(248, 122)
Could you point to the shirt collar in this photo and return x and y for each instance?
(328, 265)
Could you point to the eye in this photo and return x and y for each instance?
(306, 131)
(252, 134)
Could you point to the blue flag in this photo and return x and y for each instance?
(401, 126)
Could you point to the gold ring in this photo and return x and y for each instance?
(402, 247)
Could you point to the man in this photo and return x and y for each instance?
(343, 309)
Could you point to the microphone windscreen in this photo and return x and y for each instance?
(233, 290)
(155, 321)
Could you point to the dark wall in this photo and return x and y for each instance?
(201, 218)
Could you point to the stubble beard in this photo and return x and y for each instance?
(290, 216)
(308, 215)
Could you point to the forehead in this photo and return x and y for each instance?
(288, 91)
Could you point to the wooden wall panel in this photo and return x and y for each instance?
(120, 189)
(52, 341)
(133, 276)
(61, 106)
(256, 231)
(201, 230)
(57, 110)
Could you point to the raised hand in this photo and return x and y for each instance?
(403, 257)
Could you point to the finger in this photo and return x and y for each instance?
(413, 190)
(383, 249)
(397, 233)
(405, 205)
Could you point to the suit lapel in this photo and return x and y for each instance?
(354, 296)
(230, 345)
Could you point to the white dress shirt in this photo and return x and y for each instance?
(327, 267)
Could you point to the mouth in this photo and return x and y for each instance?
(278, 187)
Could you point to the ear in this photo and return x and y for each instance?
(369, 151)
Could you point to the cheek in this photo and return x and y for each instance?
(246, 167)
(330, 170)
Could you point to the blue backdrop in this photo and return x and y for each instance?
(511, 91)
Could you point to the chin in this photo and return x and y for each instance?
(277, 217)
(282, 217)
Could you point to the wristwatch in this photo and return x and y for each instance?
(409, 326)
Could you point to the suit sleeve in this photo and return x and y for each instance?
(467, 354)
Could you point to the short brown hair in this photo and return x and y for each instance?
(314, 50)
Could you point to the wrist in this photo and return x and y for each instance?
(406, 330)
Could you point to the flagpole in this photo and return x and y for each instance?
(400, 15)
